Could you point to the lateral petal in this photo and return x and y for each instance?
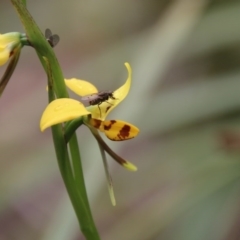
(9, 38)
(80, 87)
(115, 130)
(61, 110)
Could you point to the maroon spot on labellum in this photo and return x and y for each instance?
(124, 132)
(96, 123)
(107, 127)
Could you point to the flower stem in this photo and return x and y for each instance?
(86, 219)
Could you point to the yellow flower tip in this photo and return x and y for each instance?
(122, 92)
(61, 110)
(129, 166)
(127, 65)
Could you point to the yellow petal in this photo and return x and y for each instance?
(110, 104)
(4, 55)
(95, 123)
(122, 92)
(117, 130)
(80, 87)
(8, 38)
(61, 110)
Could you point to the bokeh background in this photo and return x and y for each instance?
(185, 98)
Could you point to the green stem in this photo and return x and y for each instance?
(24, 2)
(86, 220)
(78, 196)
(43, 48)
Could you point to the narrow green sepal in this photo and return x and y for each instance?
(108, 175)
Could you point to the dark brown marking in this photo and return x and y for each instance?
(107, 127)
(96, 123)
(107, 109)
(11, 53)
(124, 132)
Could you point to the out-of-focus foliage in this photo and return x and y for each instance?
(185, 99)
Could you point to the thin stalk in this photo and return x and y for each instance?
(86, 221)
(116, 157)
(109, 178)
(24, 2)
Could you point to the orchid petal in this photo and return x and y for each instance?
(9, 38)
(80, 87)
(61, 110)
(101, 111)
(115, 130)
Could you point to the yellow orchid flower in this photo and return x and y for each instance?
(101, 104)
(115, 130)
(9, 44)
(10, 48)
(66, 109)
(83, 88)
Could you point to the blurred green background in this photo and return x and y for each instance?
(185, 98)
